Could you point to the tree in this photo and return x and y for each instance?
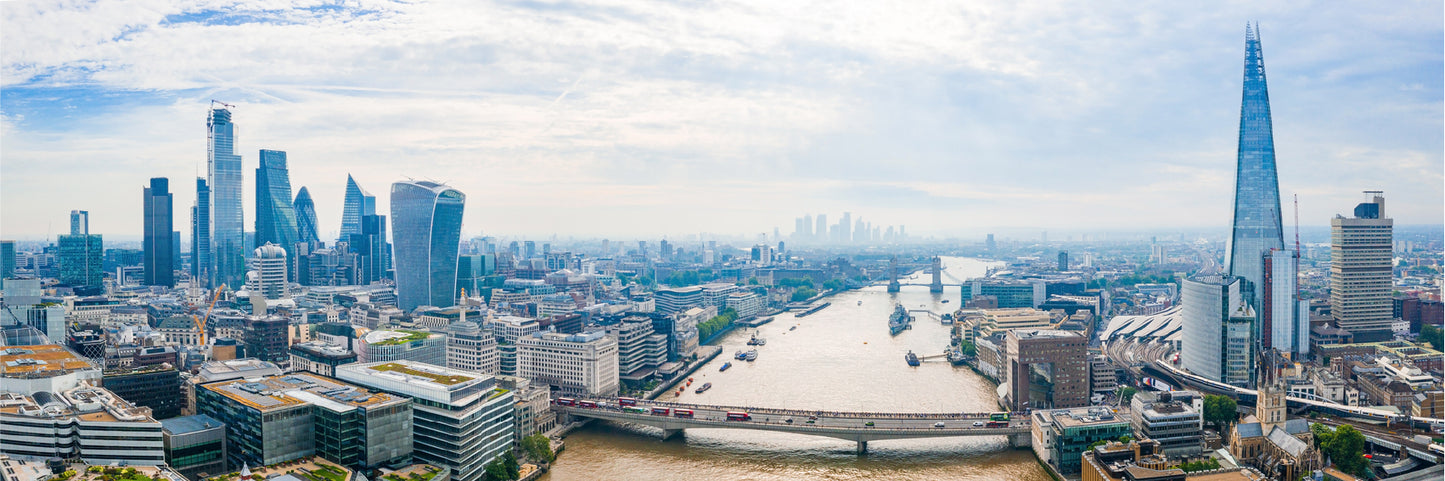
(495, 471)
(1433, 335)
(1346, 448)
(803, 294)
(1126, 393)
(968, 349)
(509, 461)
(538, 447)
(1221, 411)
(833, 284)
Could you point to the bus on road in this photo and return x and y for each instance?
(635, 410)
(739, 416)
(565, 401)
(626, 401)
(682, 413)
(661, 411)
(998, 417)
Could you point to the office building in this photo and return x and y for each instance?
(201, 235)
(275, 216)
(1009, 294)
(472, 348)
(357, 204)
(275, 419)
(267, 339)
(320, 357)
(224, 370)
(52, 410)
(7, 259)
(509, 330)
(371, 249)
(640, 350)
(426, 225)
(416, 346)
(155, 386)
(23, 307)
(267, 277)
(747, 304)
(194, 445)
(1060, 436)
(533, 408)
(156, 242)
(1361, 264)
(678, 299)
(1256, 226)
(462, 420)
(1218, 325)
(1046, 369)
(583, 364)
(1281, 325)
(1175, 419)
(80, 254)
(306, 225)
(223, 167)
(1063, 261)
(472, 272)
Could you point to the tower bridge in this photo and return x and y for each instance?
(859, 427)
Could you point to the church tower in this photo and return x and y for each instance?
(1269, 407)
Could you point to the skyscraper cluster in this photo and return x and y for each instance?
(846, 231)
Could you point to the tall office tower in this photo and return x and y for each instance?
(7, 259)
(807, 228)
(1218, 325)
(370, 247)
(201, 235)
(845, 228)
(157, 241)
(1256, 184)
(989, 243)
(860, 231)
(426, 223)
(1063, 261)
(79, 222)
(1360, 270)
(820, 229)
(228, 237)
(1279, 322)
(531, 249)
(798, 228)
(275, 219)
(305, 210)
(81, 254)
(358, 203)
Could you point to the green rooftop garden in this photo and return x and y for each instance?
(427, 474)
(438, 378)
(411, 336)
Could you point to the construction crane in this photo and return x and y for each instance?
(201, 321)
(1298, 296)
(214, 102)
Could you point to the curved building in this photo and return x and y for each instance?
(306, 219)
(1256, 184)
(426, 227)
(275, 219)
(357, 204)
(268, 272)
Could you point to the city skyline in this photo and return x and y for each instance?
(656, 136)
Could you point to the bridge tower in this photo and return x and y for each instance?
(937, 285)
(893, 275)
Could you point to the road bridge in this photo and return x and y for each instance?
(859, 427)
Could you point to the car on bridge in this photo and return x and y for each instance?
(938, 424)
(869, 424)
(978, 424)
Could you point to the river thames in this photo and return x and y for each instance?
(838, 359)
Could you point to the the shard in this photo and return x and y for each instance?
(1256, 184)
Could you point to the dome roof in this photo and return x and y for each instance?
(270, 251)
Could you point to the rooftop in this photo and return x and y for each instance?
(437, 376)
(392, 338)
(189, 424)
(296, 389)
(44, 359)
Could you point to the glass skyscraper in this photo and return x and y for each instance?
(201, 235)
(156, 245)
(228, 239)
(81, 254)
(426, 226)
(1256, 184)
(275, 219)
(306, 219)
(358, 203)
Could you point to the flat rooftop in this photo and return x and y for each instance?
(296, 389)
(41, 359)
(190, 424)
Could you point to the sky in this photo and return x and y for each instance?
(634, 119)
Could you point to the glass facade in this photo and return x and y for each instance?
(228, 243)
(80, 260)
(275, 219)
(156, 244)
(306, 219)
(1256, 184)
(201, 234)
(358, 203)
(426, 225)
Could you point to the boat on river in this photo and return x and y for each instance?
(912, 359)
(704, 388)
(752, 355)
(725, 366)
(899, 320)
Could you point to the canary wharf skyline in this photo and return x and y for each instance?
(618, 120)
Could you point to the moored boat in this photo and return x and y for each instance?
(725, 366)
(704, 387)
(912, 359)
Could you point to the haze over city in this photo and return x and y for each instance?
(634, 120)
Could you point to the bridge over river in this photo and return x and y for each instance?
(860, 427)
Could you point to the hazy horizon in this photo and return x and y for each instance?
(648, 120)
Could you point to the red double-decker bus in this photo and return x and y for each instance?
(997, 424)
(566, 401)
(737, 416)
(586, 404)
(661, 411)
(626, 401)
(682, 413)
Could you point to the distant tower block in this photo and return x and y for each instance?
(937, 285)
(893, 275)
